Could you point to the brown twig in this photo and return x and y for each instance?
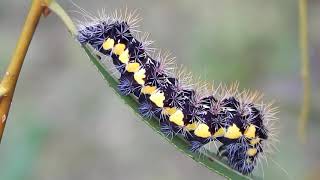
(9, 81)
(305, 72)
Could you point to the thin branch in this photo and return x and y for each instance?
(305, 72)
(11, 76)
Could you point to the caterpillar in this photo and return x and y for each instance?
(238, 122)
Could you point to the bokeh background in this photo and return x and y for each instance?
(65, 121)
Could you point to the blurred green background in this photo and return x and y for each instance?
(64, 120)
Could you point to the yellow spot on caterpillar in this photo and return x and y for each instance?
(124, 56)
(177, 118)
(192, 127)
(139, 76)
(108, 44)
(233, 132)
(202, 131)
(251, 151)
(133, 67)
(119, 48)
(250, 132)
(157, 98)
(219, 133)
(169, 110)
(148, 89)
(255, 141)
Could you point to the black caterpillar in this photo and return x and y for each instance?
(234, 119)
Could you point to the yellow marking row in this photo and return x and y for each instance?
(175, 115)
(156, 96)
(124, 57)
(232, 132)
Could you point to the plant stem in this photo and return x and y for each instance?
(305, 72)
(11, 76)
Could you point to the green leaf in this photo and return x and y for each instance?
(209, 160)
